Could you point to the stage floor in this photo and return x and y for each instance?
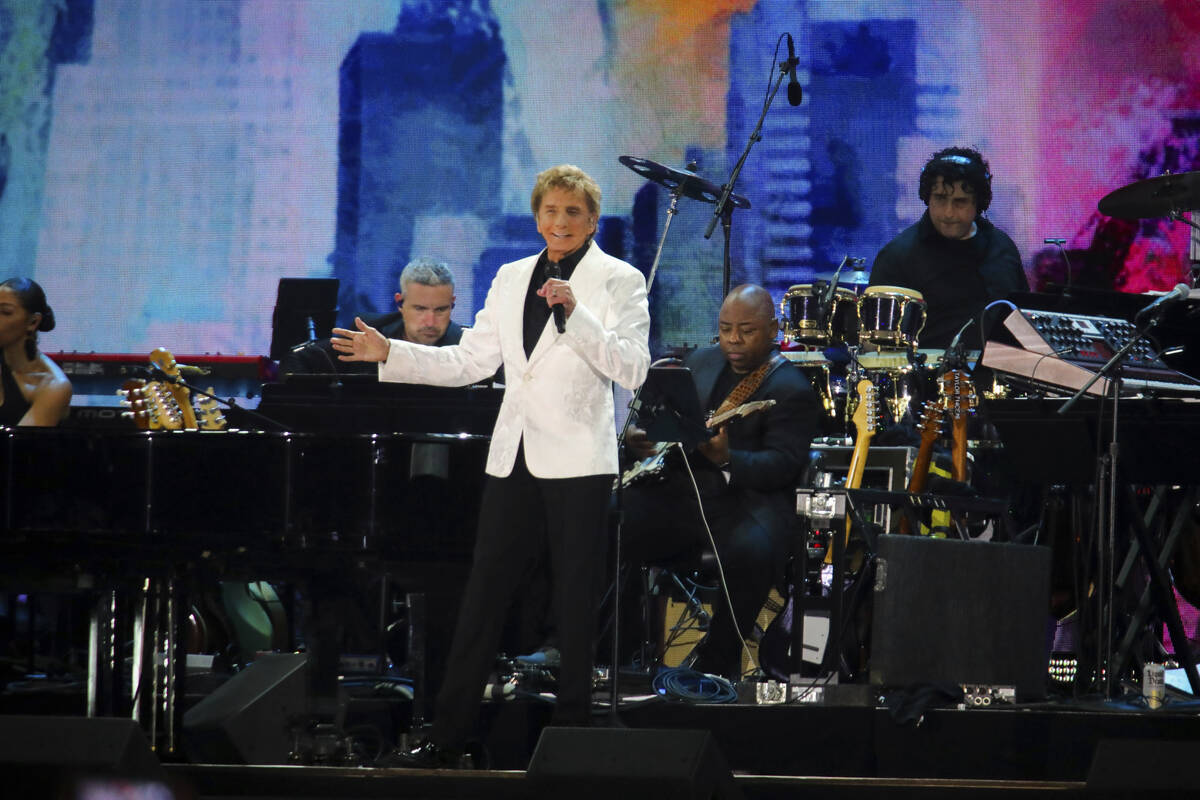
(1060, 749)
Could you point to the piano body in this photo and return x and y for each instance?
(362, 484)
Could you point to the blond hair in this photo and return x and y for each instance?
(571, 178)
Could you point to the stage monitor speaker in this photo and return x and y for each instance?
(64, 756)
(585, 763)
(248, 719)
(960, 612)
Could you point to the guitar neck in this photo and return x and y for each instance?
(958, 450)
(920, 470)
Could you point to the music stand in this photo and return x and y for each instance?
(668, 407)
(305, 310)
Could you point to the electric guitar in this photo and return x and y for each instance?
(651, 467)
(931, 429)
(866, 420)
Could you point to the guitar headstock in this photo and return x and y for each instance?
(958, 393)
(931, 420)
(866, 415)
(162, 358)
(208, 414)
(133, 393)
(152, 407)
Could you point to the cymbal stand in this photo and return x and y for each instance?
(671, 211)
(724, 209)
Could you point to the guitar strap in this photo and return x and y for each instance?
(749, 384)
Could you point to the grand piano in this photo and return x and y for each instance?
(358, 481)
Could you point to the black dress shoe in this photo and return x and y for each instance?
(425, 755)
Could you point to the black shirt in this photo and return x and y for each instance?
(956, 277)
(536, 309)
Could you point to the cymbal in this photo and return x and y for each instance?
(688, 183)
(1153, 197)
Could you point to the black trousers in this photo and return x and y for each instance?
(661, 525)
(520, 518)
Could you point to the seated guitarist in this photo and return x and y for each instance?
(746, 474)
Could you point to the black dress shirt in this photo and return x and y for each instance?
(536, 310)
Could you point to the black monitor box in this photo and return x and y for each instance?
(961, 612)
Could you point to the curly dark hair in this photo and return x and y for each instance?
(956, 164)
(33, 299)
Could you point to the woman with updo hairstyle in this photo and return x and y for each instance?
(33, 389)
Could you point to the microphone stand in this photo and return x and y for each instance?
(724, 209)
(614, 717)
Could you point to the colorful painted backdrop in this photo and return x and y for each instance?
(164, 162)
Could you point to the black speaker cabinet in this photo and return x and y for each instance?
(248, 719)
(959, 612)
(60, 756)
(631, 762)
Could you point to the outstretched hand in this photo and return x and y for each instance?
(365, 344)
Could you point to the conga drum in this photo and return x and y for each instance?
(801, 312)
(890, 317)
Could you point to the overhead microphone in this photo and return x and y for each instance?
(795, 92)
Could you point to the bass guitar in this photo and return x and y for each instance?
(652, 466)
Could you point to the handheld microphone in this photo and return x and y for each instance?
(1178, 294)
(560, 314)
(795, 93)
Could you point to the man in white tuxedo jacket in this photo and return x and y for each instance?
(565, 324)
